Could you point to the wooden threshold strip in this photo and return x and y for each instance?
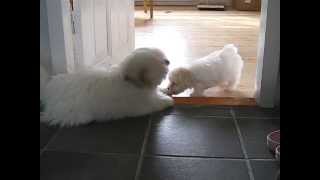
(226, 101)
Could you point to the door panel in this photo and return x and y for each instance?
(104, 31)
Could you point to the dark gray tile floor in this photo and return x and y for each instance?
(186, 142)
(67, 166)
(254, 132)
(46, 134)
(264, 169)
(160, 168)
(194, 136)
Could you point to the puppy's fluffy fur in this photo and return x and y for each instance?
(221, 68)
(126, 90)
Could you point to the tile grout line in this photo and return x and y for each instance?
(205, 157)
(249, 169)
(194, 157)
(155, 155)
(51, 139)
(250, 172)
(143, 148)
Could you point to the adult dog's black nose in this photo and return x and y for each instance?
(167, 61)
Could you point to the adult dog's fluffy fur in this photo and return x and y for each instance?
(126, 90)
(221, 68)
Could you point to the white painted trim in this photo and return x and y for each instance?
(77, 41)
(60, 36)
(109, 37)
(268, 53)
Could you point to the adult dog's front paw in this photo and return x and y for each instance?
(169, 101)
(166, 102)
(164, 91)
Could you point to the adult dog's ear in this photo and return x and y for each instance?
(139, 78)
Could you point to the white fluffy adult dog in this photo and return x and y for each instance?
(221, 68)
(126, 90)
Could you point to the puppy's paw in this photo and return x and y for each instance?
(196, 94)
(229, 90)
(232, 88)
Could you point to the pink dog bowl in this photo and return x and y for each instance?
(273, 140)
(278, 153)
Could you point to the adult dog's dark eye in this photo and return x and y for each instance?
(167, 61)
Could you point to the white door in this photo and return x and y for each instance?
(103, 31)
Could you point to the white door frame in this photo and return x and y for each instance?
(268, 60)
(60, 36)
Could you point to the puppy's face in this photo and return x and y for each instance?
(145, 67)
(180, 80)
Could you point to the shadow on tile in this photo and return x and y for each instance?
(188, 110)
(119, 136)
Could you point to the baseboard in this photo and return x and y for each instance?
(211, 7)
(167, 3)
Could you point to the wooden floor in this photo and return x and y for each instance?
(185, 34)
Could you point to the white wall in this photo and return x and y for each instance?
(45, 54)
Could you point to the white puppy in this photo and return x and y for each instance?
(221, 68)
(126, 90)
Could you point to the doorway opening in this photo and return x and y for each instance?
(186, 33)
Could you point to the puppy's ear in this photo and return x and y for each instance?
(139, 78)
(184, 76)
